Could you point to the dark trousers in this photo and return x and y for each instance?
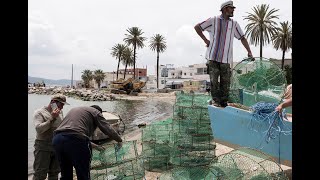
(73, 151)
(219, 91)
(45, 161)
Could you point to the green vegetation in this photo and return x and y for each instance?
(127, 59)
(87, 76)
(158, 44)
(117, 52)
(261, 26)
(98, 76)
(283, 39)
(135, 39)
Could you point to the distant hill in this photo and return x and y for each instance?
(62, 82)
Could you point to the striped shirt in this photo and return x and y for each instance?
(221, 34)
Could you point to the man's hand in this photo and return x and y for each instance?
(97, 147)
(100, 148)
(118, 145)
(279, 108)
(55, 113)
(207, 42)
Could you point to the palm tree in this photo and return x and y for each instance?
(283, 39)
(158, 44)
(261, 25)
(99, 77)
(135, 38)
(87, 76)
(117, 51)
(127, 59)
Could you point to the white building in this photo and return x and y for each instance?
(172, 77)
(151, 82)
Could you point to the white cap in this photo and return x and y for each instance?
(227, 3)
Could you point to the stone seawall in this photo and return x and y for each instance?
(83, 94)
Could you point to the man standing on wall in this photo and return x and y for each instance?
(219, 53)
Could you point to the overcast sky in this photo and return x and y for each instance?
(82, 32)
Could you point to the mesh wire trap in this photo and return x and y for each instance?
(155, 145)
(192, 120)
(158, 163)
(254, 81)
(191, 99)
(186, 142)
(191, 158)
(245, 163)
(183, 140)
(157, 133)
(191, 112)
(113, 156)
(191, 127)
(129, 170)
(156, 156)
(192, 140)
(186, 173)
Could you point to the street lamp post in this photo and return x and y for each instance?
(165, 76)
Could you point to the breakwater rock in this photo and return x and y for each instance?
(83, 94)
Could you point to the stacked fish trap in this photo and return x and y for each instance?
(192, 142)
(156, 148)
(185, 140)
(117, 163)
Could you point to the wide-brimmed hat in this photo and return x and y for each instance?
(59, 97)
(227, 4)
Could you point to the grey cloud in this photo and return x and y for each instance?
(41, 38)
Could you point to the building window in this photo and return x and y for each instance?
(190, 74)
(162, 81)
(185, 74)
(172, 74)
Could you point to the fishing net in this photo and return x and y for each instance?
(155, 146)
(191, 120)
(192, 99)
(129, 170)
(245, 163)
(117, 163)
(255, 81)
(186, 173)
(183, 140)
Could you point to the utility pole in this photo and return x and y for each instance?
(72, 76)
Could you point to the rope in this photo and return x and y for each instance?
(268, 121)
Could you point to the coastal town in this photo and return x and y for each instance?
(146, 90)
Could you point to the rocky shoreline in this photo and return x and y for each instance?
(103, 94)
(83, 94)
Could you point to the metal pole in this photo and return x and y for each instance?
(72, 76)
